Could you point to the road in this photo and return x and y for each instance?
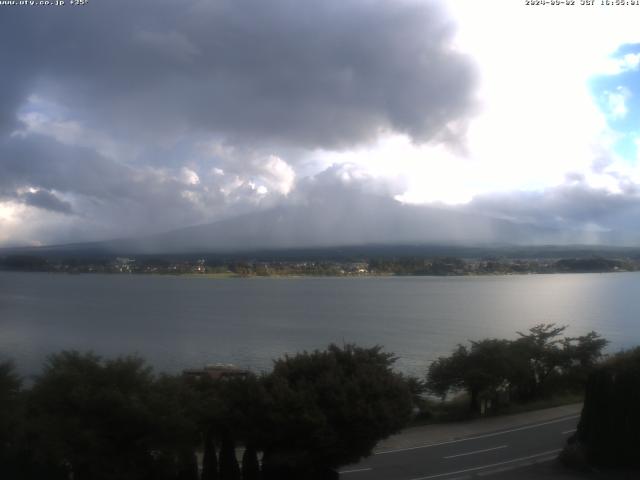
(469, 457)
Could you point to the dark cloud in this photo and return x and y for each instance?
(46, 201)
(104, 109)
(131, 117)
(575, 208)
(343, 206)
(41, 162)
(323, 74)
(113, 199)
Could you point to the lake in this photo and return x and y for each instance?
(178, 322)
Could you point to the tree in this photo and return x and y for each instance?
(209, 459)
(540, 348)
(9, 400)
(10, 415)
(187, 465)
(175, 431)
(229, 468)
(446, 374)
(330, 408)
(231, 410)
(250, 464)
(586, 350)
(104, 419)
(548, 363)
(522, 368)
(481, 371)
(609, 428)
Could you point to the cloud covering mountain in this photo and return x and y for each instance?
(126, 119)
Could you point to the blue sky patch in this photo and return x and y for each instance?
(618, 96)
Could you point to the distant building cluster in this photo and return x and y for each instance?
(442, 266)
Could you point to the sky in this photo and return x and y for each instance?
(122, 119)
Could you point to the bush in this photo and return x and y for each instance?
(97, 419)
(330, 408)
(609, 427)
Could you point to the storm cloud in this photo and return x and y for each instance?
(579, 212)
(312, 74)
(47, 201)
(124, 118)
(138, 117)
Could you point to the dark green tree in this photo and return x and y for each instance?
(187, 465)
(107, 419)
(231, 410)
(583, 354)
(250, 464)
(243, 410)
(229, 468)
(11, 418)
(176, 432)
(330, 408)
(209, 458)
(609, 428)
(535, 364)
(541, 349)
(446, 374)
(585, 351)
(481, 371)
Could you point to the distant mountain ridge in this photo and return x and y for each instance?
(381, 221)
(371, 220)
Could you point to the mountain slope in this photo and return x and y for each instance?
(363, 220)
(321, 224)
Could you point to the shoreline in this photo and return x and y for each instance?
(231, 275)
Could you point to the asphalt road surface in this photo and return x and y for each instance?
(477, 456)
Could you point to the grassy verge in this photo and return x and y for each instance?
(457, 408)
(555, 401)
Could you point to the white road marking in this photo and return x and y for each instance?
(495, 471)
(521, 459)
(567, 432)
(487, 435)
(355, 471)
(508, 468)
(477, 451)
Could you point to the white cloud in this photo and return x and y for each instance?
(618, 65)
(277, 174)
(538, 120)
(188, 176)
(21, 224)
(617, 102)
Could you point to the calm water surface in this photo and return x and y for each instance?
(178, 322)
